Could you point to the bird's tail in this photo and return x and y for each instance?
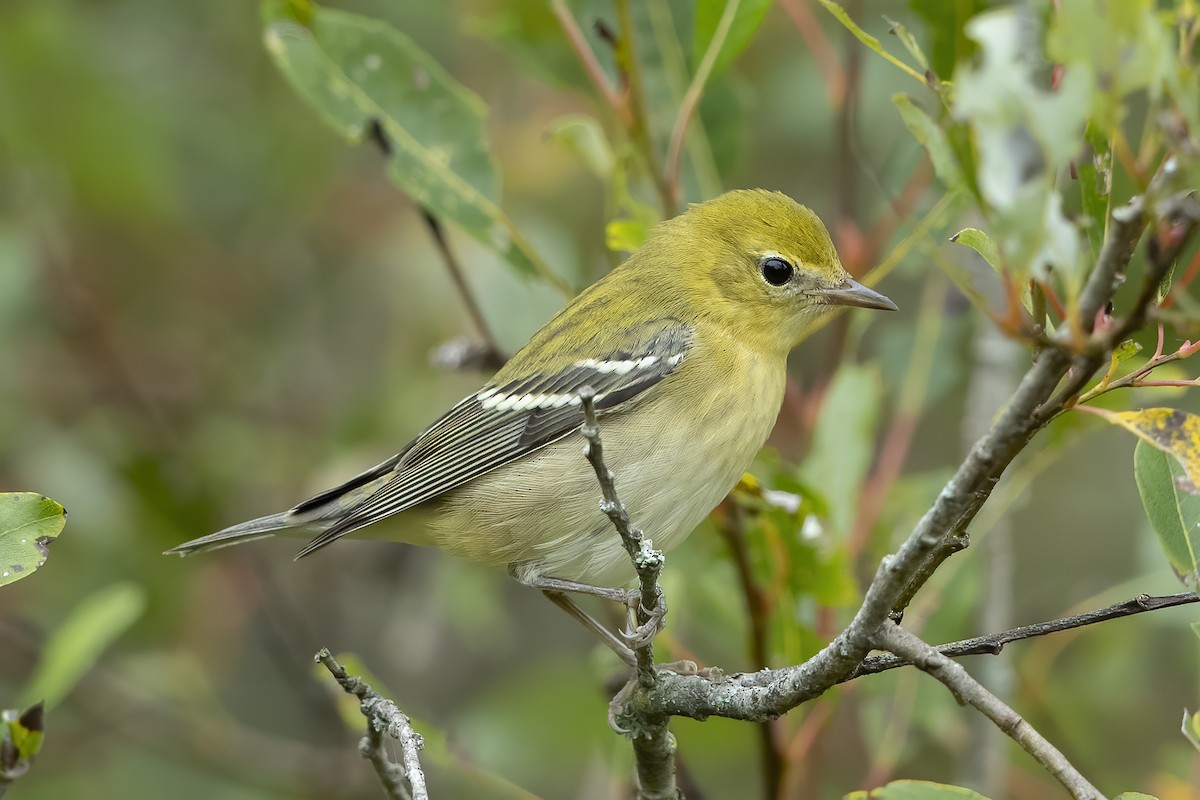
(237, 534)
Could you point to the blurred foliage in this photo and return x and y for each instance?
(212, 307)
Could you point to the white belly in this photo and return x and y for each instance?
(541, 516)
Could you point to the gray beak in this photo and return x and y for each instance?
(853, 293)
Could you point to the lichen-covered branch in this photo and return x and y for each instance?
(403, 781)
(653, 742)
(940, 532)
(968, 691)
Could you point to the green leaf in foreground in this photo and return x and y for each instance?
(747, 17)
(1174, 513)
(29, 522)
(76, 644)
(916, 790)
(981, 243)
(358, 72)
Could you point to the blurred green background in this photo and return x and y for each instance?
(211, 307)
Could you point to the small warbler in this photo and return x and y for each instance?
(685, 345)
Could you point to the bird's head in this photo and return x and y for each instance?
(761, 264)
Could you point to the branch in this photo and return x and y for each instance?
(489, 355)
(591, 65)
(968, 691)
(993, 643)
(384, 717)
(939, 534)
(639, 125)
(653, 742)
(691, 98)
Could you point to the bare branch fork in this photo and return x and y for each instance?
(968, 691)
(1050, 386)
(403, 781)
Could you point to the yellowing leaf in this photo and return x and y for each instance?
(1175, 432)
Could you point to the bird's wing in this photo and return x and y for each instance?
(502, 423)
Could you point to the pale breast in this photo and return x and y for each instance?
(673, 463)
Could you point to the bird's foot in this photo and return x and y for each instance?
(650, 623)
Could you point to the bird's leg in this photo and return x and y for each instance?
(623, 596)
(568, 605)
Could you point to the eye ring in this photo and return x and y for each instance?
(775, 270)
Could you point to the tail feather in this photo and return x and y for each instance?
(237, 534)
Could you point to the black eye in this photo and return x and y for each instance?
(776, 270)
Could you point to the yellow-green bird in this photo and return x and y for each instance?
(685, 345)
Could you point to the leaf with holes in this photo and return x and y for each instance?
(365, 78)
(29, 522)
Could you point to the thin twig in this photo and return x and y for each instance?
(733, 530)
(492, 356)
(968, 691)
(653, 742)
(384, 717)
(820, 47)
(691, 98)
(993, 643)
(639, 126)
(618, 102)
(647, 561)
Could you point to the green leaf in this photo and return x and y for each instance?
(981, 243)
(583, 137)
(29, 522)
(917, 790)
(843, 443)
(948, 44)
(77, 643)
(1095, 189)
(933, 138)
(870, 41)
(357, 73)
(908, 40)
(1191, 727)
(747, 17)
(1173, 512)
(528, 32)
(1134, 796)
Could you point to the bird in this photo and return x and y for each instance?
(684, 346)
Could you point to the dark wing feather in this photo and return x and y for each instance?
(500, 424)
